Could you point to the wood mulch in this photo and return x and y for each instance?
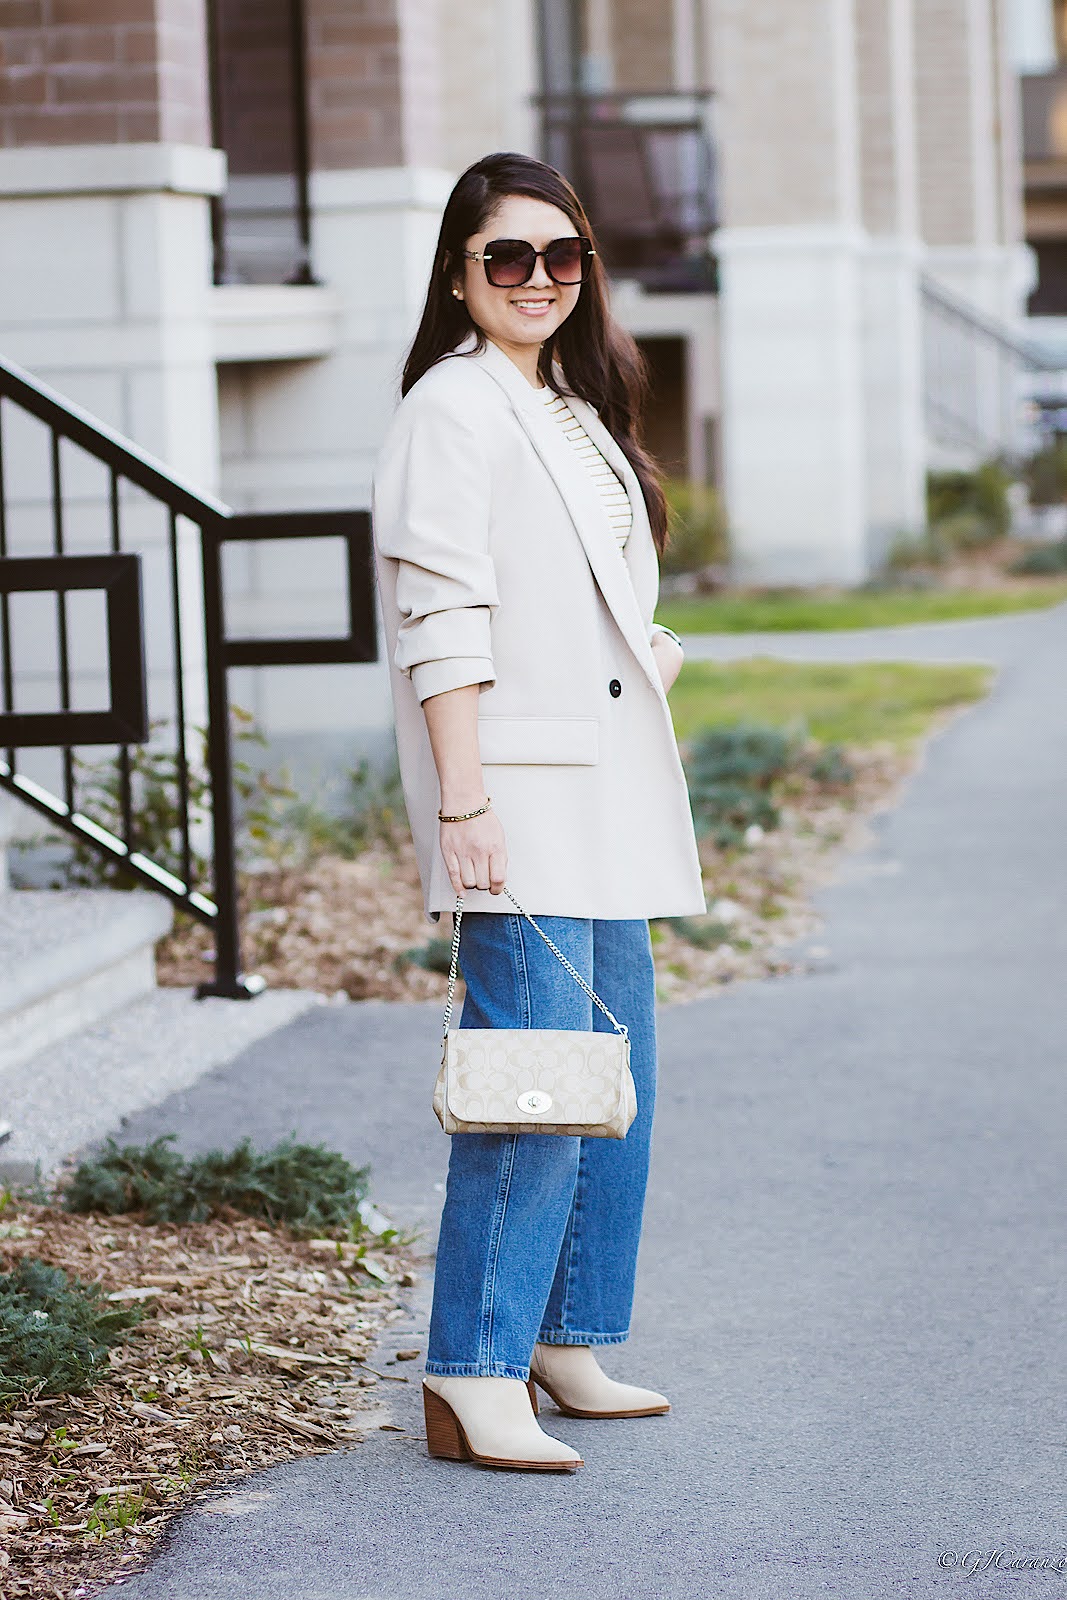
(254, 1350)
(343, 927)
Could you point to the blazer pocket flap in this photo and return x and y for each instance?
(539, 741)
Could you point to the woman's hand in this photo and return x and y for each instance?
(670, 658)
(475, 853)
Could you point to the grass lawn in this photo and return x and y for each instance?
(860, 704)
(800, 610)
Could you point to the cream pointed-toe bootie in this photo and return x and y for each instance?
(571, 1376)
(490, 1421)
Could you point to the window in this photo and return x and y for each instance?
(259, 116)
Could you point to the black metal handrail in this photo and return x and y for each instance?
(59, 572)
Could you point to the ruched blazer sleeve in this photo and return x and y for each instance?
(431, 510)
(497, 566)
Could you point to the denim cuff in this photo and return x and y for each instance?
(569, 1336)
(467, 1369)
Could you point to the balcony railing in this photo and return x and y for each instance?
(644, 167)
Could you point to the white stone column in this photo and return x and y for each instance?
(792, 399)
(895, 437)
(791, 257)
(891, 308)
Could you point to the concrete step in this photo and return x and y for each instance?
(69, 957)
(85, 1086)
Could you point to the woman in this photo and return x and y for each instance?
(517, 521)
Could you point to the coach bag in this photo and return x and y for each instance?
(534, 1080)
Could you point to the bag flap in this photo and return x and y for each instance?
(535, 1075)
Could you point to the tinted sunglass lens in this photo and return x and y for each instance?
(565, 260)
(510, 263)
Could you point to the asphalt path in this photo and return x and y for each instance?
(852, 1280)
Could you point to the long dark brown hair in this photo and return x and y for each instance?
(600, 359)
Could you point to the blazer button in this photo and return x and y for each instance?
(615, 688)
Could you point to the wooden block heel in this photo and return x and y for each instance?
(532, 1386)
(444, 1436)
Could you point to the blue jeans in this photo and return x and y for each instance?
(540, 1231)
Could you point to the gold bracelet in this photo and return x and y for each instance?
(466, 815)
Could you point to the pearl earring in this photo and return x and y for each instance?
(457, 294)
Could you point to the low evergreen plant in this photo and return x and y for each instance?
(734, 775)
(310, 1187)
(1041, 560)
(55, 1331)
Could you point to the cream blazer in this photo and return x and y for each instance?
(496, 565)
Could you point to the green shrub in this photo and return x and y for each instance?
(1041, 560)
(727, 810)
(927, 549)
(830, 767)
(753, 754)
(372, 812)
(707, 933)
(731, 773)
(307, 1186)
(697, 525)
(965, 530)
(155, 790)
(434, 956)
(273, 821)
(734, 772)
(55, 1331)
(983, 493)
(1045, 475)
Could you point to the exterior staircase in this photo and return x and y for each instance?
(67, 959)
(86, 1036)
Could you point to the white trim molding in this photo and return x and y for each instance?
(112, 169)
(381, 189)
(267, 322)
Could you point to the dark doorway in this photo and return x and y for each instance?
(666, 423)
(1049, 299)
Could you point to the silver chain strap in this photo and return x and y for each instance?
(620, 1027)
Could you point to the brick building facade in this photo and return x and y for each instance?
(219, 244)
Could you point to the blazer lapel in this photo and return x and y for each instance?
(621, 578)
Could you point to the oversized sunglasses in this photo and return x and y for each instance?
(511, 262)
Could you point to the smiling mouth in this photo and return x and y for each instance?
(535, 306)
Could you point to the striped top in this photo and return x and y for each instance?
(609, 486)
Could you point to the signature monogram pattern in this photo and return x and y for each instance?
(489, 1076)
